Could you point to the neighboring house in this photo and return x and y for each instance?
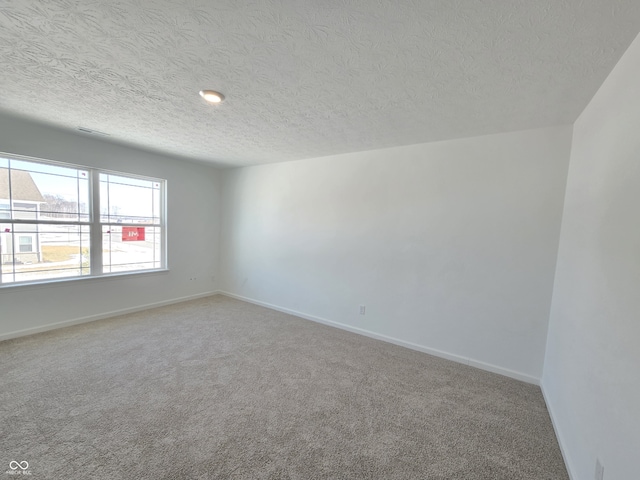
(24, 242)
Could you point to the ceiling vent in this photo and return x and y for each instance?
(92, 132)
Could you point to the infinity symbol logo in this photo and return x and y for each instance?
(13, 465)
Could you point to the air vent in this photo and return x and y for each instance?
(92, 132)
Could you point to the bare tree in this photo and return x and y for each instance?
(57, 207)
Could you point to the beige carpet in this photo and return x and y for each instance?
(220, 389)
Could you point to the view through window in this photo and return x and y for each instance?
(60, 221)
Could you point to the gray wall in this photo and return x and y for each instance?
(591, 375)
(451, 246)
(193, 211)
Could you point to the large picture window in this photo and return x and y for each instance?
(59, 221)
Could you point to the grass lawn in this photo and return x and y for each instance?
(60, 253)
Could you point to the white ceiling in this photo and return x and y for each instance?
(306, 78)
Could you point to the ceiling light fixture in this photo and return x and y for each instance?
(211, 96)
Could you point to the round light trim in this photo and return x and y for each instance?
(212, 96)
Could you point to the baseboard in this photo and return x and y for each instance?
(101, 316)
(556, 429)
(413, 346)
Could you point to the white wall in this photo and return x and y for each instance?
(592, 367)
(451, 246)
(193, 238)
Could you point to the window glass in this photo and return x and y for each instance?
(26, 243)
(60, 193)
(126, 248)
(129, 200)
(47, 226)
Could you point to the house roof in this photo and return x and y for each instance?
(22, 186)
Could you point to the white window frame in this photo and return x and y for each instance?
(20, 244)
(95, 224)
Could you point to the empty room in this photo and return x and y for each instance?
(286, 239)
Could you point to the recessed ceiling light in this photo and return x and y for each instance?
(211, 96)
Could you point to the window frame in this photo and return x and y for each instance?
(24, 244)
(95, 223)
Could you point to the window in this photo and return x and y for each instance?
(131, 222)
(26, 244)
(60, 221)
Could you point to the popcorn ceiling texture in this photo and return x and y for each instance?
(305, 78)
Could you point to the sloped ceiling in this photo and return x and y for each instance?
(306, 78)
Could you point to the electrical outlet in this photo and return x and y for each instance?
(599, 470)
(363, 308)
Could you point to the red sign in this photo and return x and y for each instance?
(132, 234)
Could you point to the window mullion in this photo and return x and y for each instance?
(163, 222)
(95, 232)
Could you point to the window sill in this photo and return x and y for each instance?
(64, 282)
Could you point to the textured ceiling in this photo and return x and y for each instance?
(306, 78)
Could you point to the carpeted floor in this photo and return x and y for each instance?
(220, 389)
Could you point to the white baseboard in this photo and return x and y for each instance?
(100, 316)
(413, 346)
(556, 429)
